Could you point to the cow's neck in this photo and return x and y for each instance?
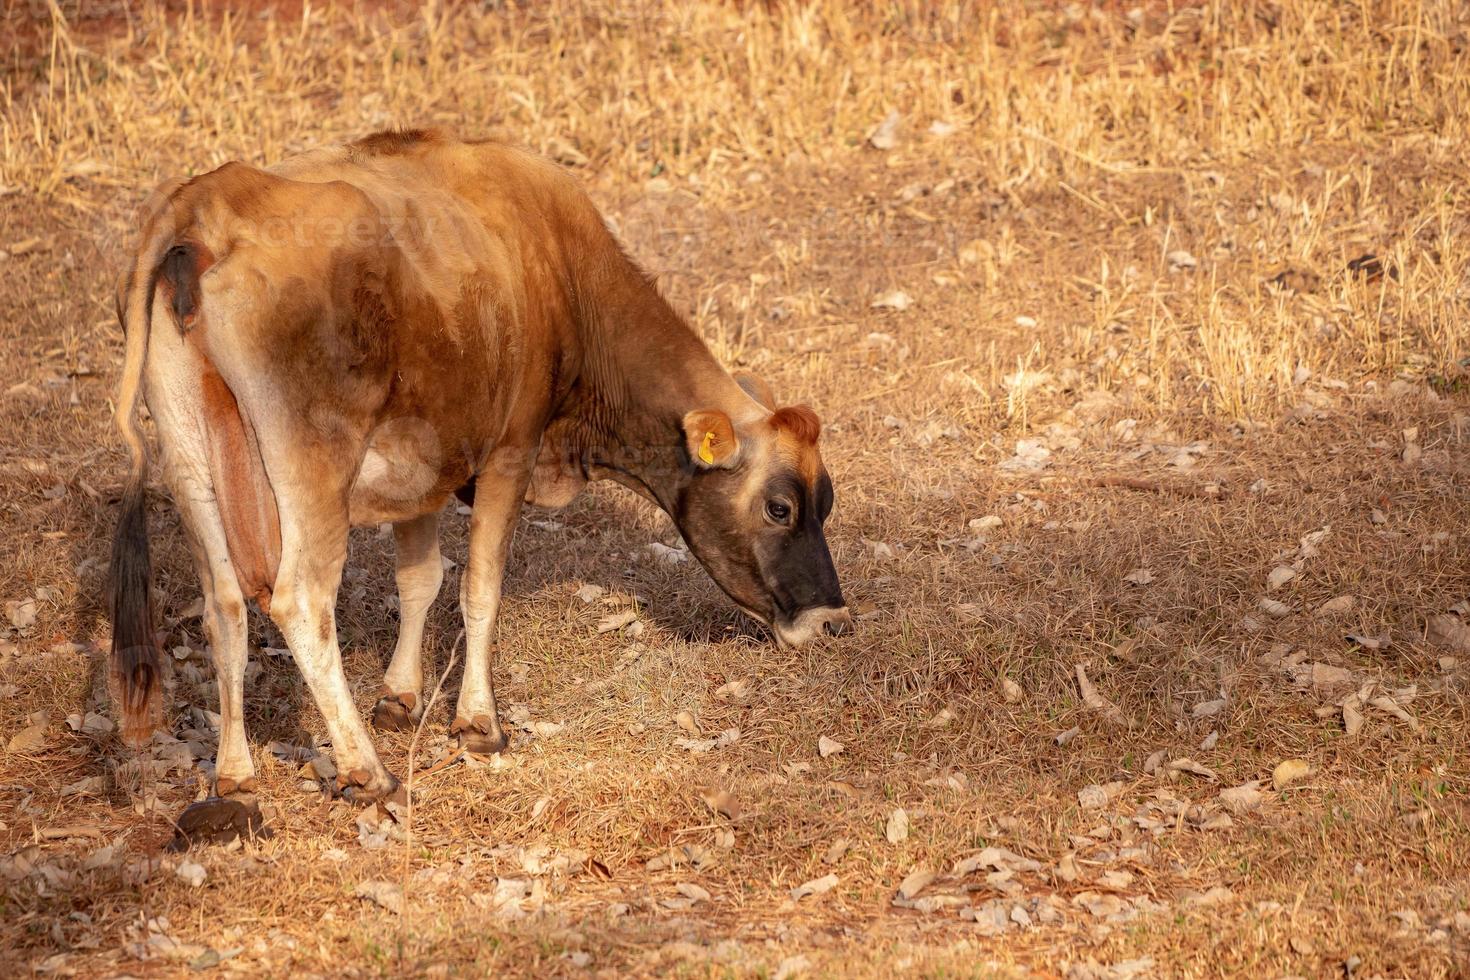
(643, 370)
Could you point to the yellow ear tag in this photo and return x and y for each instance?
(706, 452)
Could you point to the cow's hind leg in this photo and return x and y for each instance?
(420, 573)
(313, 551)
(231, 811)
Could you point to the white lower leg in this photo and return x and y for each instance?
(420, 573)
(497, 505)
(226, 624)
(477, 692)
(307, 622)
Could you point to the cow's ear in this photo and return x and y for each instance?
(756, 388)
(710, 439)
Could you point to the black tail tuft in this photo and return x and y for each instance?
(136, 667)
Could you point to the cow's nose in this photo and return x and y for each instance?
(812, 623)
(837, 622)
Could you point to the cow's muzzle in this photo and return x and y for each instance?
(809, 624)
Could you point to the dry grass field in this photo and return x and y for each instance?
(1139, 333)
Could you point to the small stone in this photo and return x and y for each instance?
(191, 873)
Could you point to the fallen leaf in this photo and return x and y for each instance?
(86, 786)
(1243, 798)
(1274, 608)
(722, 803)
(1217, 895)
(667, 555)
(736, 690)
(837, 851)
(894, 299)
(1391, 706)
(32, 738)
(1096, 701)
(915, 882)
(1310, 544)
(1288, 772)
(942, 719)
(1067, 869)
(817, 886)
(897, 828)
(701, 745)
(590, 593)
(828, 747)
(690, 890)
(1327, 681)
(1448, 631)
(1193, 768)
(616, 621)
(384, 893)
(1279, 576)
(884, 136)
(1336, 607)
(685, 720)
(1032, 456)
(1208, 709)
(1092, 797)
(21, 612)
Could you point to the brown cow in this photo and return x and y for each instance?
(352, 336)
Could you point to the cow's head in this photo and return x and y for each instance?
(752, 512)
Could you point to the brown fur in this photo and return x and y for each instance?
(798, 422)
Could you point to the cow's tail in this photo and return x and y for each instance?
(135, 668)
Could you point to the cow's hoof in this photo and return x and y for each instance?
(394, 713)
(217, 820)
(228, 788)
(481, 736)
(361, 787)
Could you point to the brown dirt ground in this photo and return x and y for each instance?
(1197, 422)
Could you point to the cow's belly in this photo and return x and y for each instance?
(405, 473)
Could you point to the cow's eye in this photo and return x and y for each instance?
(777, 511)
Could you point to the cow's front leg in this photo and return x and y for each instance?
(420, 572)
(498, 498)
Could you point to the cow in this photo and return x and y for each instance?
(354, 335)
